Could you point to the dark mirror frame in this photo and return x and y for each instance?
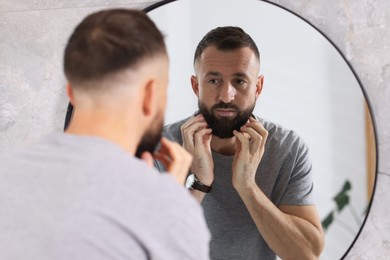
(70, 109)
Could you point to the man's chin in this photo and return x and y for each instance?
(223, 132)
(224, 136)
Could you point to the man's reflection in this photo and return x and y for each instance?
(252, 177)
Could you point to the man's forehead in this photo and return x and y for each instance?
(238, 74)
(240, 60)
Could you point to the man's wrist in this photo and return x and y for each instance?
(247, 189)
(206, 179)
(194, 183)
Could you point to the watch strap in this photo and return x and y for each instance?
(197, 185)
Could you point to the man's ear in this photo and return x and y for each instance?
(195, 85)
(69, 92)
(149, 98)
(259, 85)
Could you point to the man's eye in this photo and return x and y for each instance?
(240, 82)
(214, 81)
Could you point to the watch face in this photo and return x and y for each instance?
(190, 181)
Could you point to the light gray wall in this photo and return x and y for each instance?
(33, 101)
(360, 29)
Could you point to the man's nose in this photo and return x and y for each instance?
(227, 93)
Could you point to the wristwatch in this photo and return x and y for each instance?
(193, 183)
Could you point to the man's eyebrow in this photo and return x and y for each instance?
(240, 75)
(213, 73)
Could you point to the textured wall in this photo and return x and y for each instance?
(360, 29)
(33, 102)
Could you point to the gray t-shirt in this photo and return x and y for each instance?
(283, 175)
(77, 197)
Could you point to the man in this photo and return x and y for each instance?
(252, 176)
(83, 194)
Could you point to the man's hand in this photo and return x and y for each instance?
(176, 159)
(196, 140)
(250, 146)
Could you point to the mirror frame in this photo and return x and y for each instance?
(70, 109)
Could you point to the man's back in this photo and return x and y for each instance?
(74, 197)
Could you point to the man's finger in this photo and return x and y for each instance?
(258, 127)
(192, 120)
(242, 139)
(166, 160)
(199, 135)
(173, 150)
(254, 136)
(195, 127)
(188, 133)
(148, 158)
(167, 147)
(256, 140)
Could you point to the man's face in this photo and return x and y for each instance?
(153, 135)
(227, 86)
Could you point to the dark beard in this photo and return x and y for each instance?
(150, 140)
(223, 128)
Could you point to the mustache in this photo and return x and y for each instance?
(224, 106)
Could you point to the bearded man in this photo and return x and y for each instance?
(252, 177)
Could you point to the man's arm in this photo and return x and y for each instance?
(196, 140)
(292, 232)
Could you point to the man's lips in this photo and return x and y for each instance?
(225, 111)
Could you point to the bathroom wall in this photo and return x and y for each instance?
(360, 30)
(33, 100)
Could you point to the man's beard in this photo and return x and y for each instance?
(224, 127)
(151, 138)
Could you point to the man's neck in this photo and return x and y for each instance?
(104, 128)
(225, 146)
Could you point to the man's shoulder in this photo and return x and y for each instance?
(274, 128)
(96, 170)
(281, 135)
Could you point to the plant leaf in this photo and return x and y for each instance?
(341, 200)
(327, 221)
(347, 186)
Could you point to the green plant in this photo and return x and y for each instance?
(342, 200)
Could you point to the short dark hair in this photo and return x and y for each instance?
(226, 38)
(109, 41)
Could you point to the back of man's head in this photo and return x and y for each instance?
(225, 39)
(108, 42)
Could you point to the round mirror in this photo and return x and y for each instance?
(309, 87)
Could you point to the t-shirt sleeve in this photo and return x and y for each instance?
(300, 185)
